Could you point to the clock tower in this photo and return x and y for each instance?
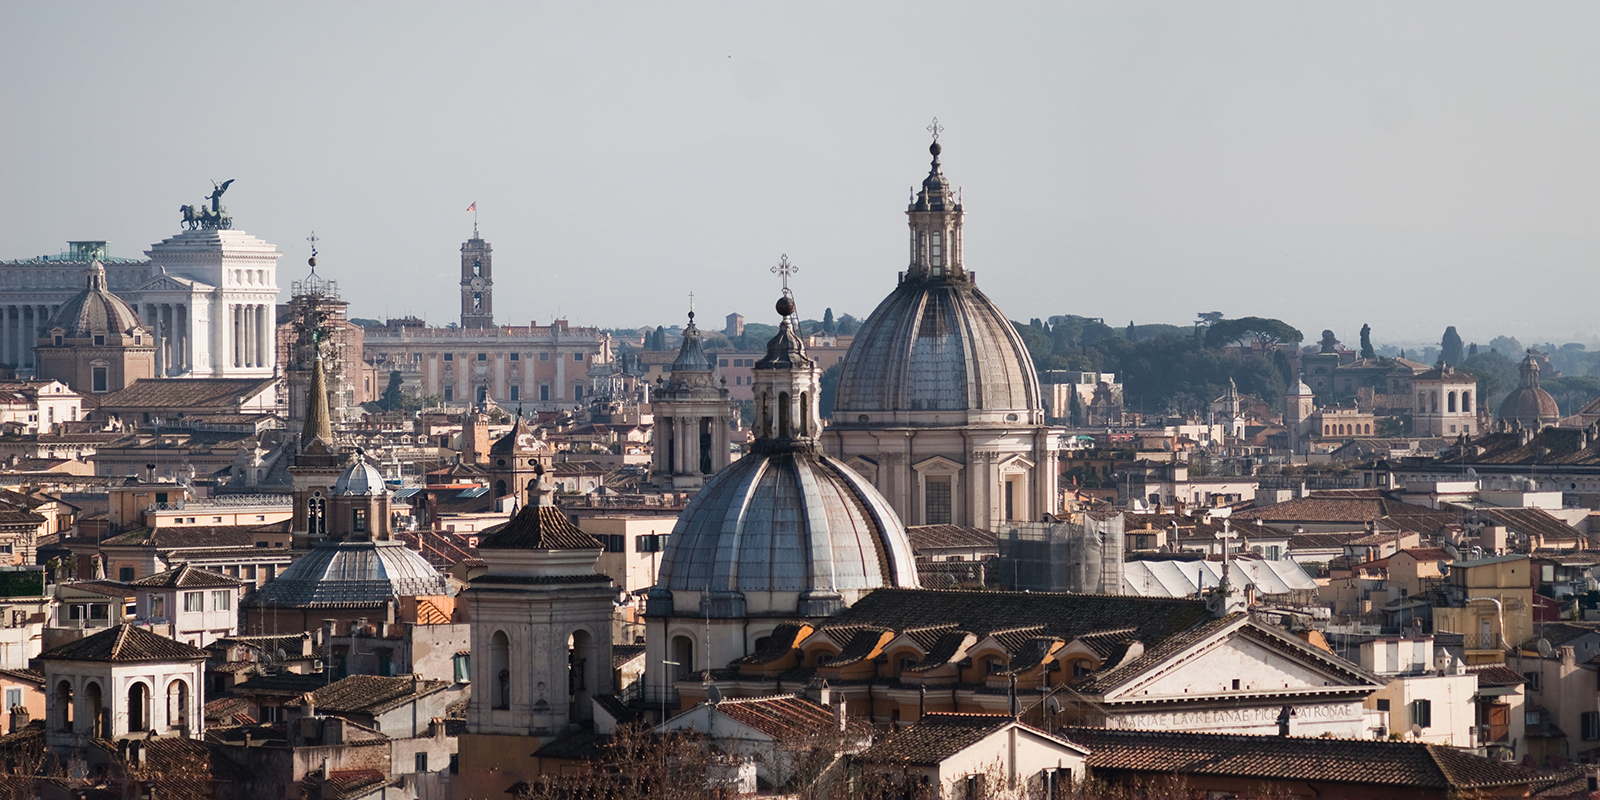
(477, 283)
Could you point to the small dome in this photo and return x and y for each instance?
(520, 440)
(1528, 403)
(94, 310)
(352, 575)
(936, 346)
(793, 521)
(360, 478)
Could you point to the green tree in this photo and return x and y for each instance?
(1330, 343)
(1366, 342)
(1264, 331)
(828, 389)
(393, 399)
(1450, 347)
(827, 323)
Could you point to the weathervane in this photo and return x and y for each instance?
(935, 128)
(785, 269)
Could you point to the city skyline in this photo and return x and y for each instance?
(1330, 167)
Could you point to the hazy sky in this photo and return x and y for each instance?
(1411, 165)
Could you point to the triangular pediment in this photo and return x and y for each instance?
(1016, 464)
(172, 283)
(1260, 659)
(938, 465)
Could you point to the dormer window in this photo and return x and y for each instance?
(57, 340)
(99, 340)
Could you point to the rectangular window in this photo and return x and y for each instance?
(516, 356)
(722, 362)
(577, 356)
(544, 392)
(416, 358)
(221, 601)
(422, 762)
(194, 601)
(1011, 498)
(126, 574)
(1422, 713)
(1591, 726)
(359, 521)
(99, 611)
(577, 391)
(449, 393)
(483, 356)
(449, 356)
(158, 606)
(936, 252)
(99, 340)
(936, 504)
(1535, 679)
(516, 393)
(544, 356)
(99, 380)
(1383, 704)
(463, 667)
(13, 698)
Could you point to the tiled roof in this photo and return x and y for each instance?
(107, 588)
(190, 536)
(351, 783)
(184, 393)
(1527, 521)
(29, 675)
(125, 643)
(1428, 553)
(1358, 761)
(443, 549)
(369, 694)
(1497, 675)
(783, 716)
(1066, 616)
(537, 527)
(186, 577)
(934, 537)
(935, 738)
(283, 684)
(1552, 446)
(229, 711)
(1350, 506)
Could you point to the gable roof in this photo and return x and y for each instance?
(1351, 506)
(186, 577)
(935, 537)
(938, 736)
(783, 716)
(1358, 761)
(125, 643)
(369, 694)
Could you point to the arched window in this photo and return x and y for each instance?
(1422, 402)
(683, 653)
(1466, 401)
(64, 706)
(138, 707)
(95, 709)
(1450, 401)
(785, 430)
(178, 704)
(500, 669)
(500, 488)
(317, 515)
(1433, 402)
(764, 418)
(805, 414)
(581, 674)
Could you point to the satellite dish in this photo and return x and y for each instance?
(1416, 730)
(1054, 704)
(713, 695)
(1544, 647)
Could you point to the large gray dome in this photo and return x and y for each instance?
(785, 522)
(352, 575)
(936, 345)
(94, 310)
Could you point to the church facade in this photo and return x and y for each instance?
(938, 403)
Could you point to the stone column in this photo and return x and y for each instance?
(235, 354)
(264, 346)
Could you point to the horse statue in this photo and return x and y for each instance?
(197, 217)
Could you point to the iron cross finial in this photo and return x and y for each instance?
(313, 240)
(935, 128)
(785, 269)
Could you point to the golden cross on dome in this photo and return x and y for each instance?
(785, 269)
(935, 128)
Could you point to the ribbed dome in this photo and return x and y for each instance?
(94, 310)
(1529, 404)
(936, 345)
(360, 478)
(351, 575)
(788, 521)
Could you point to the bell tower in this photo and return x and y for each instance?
(477, 282)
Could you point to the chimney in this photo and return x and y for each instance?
(305, 645)
(19, 718)
(839, 714)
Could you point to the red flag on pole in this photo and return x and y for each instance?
(473, 207)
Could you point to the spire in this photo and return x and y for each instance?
(691, 354)
(319, 423)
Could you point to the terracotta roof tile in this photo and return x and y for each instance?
(369, 694)
(186, 577)
(125, 643)
(1357, 761)
(935, 537)
(537, 528)
(783, 716)
(934, 738)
